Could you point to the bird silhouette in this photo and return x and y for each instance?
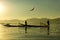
(32, 9)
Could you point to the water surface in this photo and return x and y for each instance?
(18, 33)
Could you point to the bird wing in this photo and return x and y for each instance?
(32, 9)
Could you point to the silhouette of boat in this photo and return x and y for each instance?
(9, 25)
(24, 25)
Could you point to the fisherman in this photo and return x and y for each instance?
(25, 26)
(48, 26)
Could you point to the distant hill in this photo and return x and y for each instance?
(55, 21)
(33, 21)
(37, 21)
(11, 21)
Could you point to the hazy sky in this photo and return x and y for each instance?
(20, 9)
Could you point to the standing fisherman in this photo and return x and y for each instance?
(48, 26)
(25, 26)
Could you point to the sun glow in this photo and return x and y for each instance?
(1, 8)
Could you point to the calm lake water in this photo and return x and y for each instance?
(18, 33)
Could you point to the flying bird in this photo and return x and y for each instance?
(32, 9)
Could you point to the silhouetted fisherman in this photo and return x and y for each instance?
(48, 26)
(48, 22)
(25, 26)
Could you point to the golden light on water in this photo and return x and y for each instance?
(1, 32)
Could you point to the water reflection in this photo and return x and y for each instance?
(8, 33)
(16, 33)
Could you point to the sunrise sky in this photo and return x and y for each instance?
(20, 9)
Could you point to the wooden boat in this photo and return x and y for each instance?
(9, 25)
(24, 25)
